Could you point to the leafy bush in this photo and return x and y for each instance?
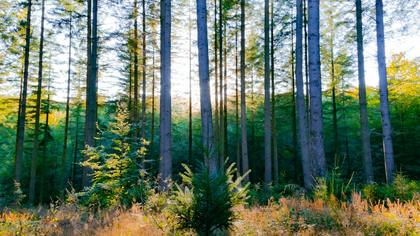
(332, 187)
(119, 176)
(259, 195)
(402, 189)
(205, 201)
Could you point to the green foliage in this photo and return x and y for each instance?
(205, 201)
(119, 176)
(259, 195)
(402, 189)
(332, 187)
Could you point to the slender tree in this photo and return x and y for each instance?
(35, 149)
(152, 129)
(205, 102)
(238, 139)
(190, 161)
(300, 102)
(364, 123)
(273, 102)
(383, 87)
(20, 133)
(91, 83)
(136, 71)
(316, 126)
(244, 142)
(143, 94)
(165, 168)
(66, 124)
(267, 106)
(293, 113)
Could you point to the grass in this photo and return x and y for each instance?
(284, 217)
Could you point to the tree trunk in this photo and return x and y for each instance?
(165, 168)
(136, 73)
(152, 131)
(34, 160)
(20, 133)
(91, 95)
(238, 139)
(316, 122)
(205, 102)
(294, 129)
(143, 95)
(66, 124)
(267, 106)
(333, 85)
(245, 165)
(220, 141)
(190, 161)
(273, 102)
(300, 102)
(305, 27)
(225, 100)
(216, 84)
(383, 87)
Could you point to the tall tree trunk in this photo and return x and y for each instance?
(152, 131)
(225, 100)
(300, 102)
(294, 129)
(91, 91)
(136, 72)
(267, 106)
(220, 141)
(190, 161)
(305, 27)
(273, 102)
(46, 139)
(383, 87)
(316, 125)
(165, 168)
(143, 95)
(205, 100)
(334, 85)
(34, 160)
(237, 132)
(20, 133)
(66, 124)
(244, 146)
(216, 83)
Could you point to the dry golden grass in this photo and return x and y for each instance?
(285, 217)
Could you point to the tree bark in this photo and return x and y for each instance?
(238, 139)
(91, 91)
(20, 133)
(165, 168)
(267, 105)
(273, 102)
(66, 124)
(143, 95)
(35, 149)
(136, 118)
(152, 131)
(205, 100)
(383, 87)
(245, 165)
(316, 122)
(300, 102)
(190, 161)
(219, 139)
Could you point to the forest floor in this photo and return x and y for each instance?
(283, 217)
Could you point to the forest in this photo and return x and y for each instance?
(223, 117)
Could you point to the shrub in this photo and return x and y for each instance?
(402, 189)
(119, 176)
(205, 201)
